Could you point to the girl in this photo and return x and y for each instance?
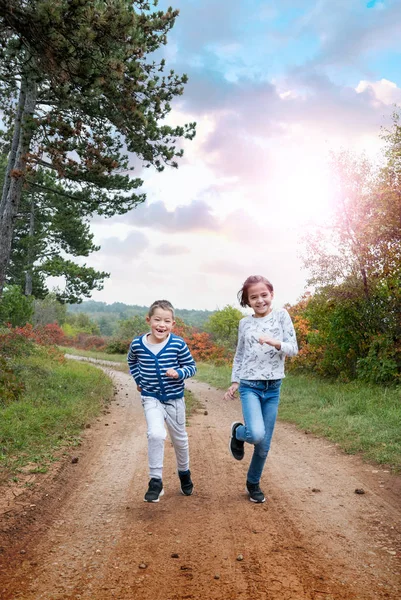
(264, 339)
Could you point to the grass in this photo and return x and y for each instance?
(121, 358)
(361, 418)
(59, 399)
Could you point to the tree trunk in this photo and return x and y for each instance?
(23, 133)
(14, 147)
(30, 253)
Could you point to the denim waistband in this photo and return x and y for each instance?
(260, 384)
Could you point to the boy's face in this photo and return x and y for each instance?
(161, 323)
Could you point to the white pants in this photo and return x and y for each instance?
(173, 413)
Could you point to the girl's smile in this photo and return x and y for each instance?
(260, 299)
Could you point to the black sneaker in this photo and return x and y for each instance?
(186, 483)
(236, 446)
(255, 493)
(155, 490)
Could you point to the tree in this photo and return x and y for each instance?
(49, 310)
(355, 314)
(78, 89)
(129, 328)
(223, 325)
(46, 228)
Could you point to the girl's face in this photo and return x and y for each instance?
(260, 299)
(161, 323)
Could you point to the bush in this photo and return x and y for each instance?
(117, 346)
(15, 308)
(382, 363)
(11, 387)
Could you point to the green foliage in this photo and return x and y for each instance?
(353, 321)
(80, 323)
(15, 308)
(348, 335)
(46, 226)
(130, 328)
(79, 91)
(223, 325)
(49, 310)
(118, 346)
(118, 311)
(56, 402)
(382, 363)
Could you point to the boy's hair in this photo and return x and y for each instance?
(251, 280)
(163, 304)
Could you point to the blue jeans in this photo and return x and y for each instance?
(260, 400)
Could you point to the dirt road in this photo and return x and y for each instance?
(84, 532)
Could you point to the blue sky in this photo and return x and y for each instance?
(274, 87)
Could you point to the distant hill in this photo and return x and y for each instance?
(99, 311)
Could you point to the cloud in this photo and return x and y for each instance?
(171, 250)
(131, 247)
(381, 92)
(196, 216)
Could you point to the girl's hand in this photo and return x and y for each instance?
(266, 339)
(172, 373)
(230, 393)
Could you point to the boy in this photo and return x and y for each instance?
(159, 362)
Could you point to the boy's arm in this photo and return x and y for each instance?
(187, 366)
(133, 364)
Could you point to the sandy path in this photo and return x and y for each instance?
(86, 532)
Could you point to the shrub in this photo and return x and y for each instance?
(382, 363)
(11, 387)
(117, 346)
(15, 308)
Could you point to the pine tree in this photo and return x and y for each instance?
(80, 92)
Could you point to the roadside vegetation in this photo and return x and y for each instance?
(45, 403)
(359, 417)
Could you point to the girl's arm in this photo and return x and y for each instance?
(289, 345)
(239, 354)
(237, 363)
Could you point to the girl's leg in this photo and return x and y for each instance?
(155, 415)
(269, 408)
(175, 421)
(253, 431)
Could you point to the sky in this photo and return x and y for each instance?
(275, 87)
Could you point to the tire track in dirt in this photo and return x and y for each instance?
(101, 541)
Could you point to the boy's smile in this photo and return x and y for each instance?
(161, 323)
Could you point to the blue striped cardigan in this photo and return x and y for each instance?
(149, 369)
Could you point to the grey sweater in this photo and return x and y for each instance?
(257, 361)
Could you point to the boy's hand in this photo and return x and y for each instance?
(138, 387)
(230, 393)
(172, 373)
(266, 339)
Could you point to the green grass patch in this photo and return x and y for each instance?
(361, 418)
(121, 358)
(58, 400)
(218, 377)
(191, 403)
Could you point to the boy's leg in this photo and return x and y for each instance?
(175, 421)
(156, 433)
